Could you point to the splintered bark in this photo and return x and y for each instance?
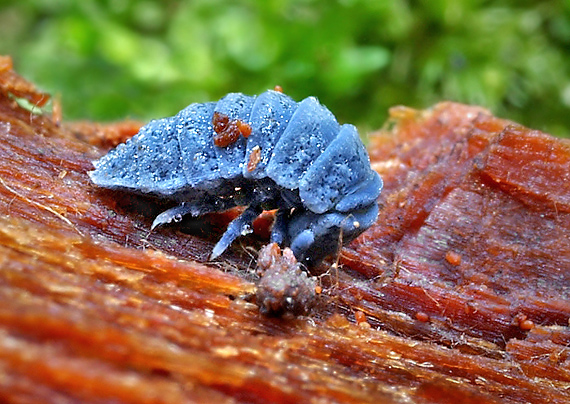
(459, 293)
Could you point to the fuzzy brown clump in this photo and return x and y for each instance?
(284, 286)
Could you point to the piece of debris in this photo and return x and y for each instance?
(284, 286)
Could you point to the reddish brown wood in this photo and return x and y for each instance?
(459, 294)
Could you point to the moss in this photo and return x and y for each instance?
(145, 59)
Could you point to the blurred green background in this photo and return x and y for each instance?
(116, 59)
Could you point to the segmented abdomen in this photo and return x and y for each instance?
(300, 146)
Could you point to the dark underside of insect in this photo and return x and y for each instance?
(264, 152)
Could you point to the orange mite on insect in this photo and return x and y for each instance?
(244, 128)
(228, 130)
(254, 158)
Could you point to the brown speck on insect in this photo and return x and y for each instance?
(228, 130)
(254, 158)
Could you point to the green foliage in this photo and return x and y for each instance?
(111, 59)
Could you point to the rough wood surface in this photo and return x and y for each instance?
(459, 294)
